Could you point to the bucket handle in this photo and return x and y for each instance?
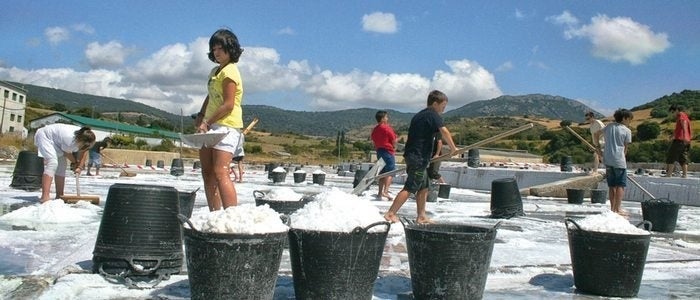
(569, 220)
(498, 224)
(359, 229)
(183, 219)
(405, 221)
(644, 224)
(256, 196)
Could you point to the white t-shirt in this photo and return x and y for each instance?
(616, 135)
(596, 126)
(58, 136)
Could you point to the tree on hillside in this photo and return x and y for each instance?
(648, 131)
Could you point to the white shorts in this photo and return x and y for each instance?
(231, 142)
(54, 160)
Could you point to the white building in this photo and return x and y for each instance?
(14, 102)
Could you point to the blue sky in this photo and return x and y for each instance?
(330, 55)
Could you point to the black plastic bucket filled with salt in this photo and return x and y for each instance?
(505, 199)
(607, 264)
(279, 177)
(574, 196)
(187, 202)
(599, 196)
(149, 163)
(566, 162)
(177, 168)
(336, 265)
(299, 177)
(662, 213)
(233, 266)
(449, 261)
(160, 164)
(319, 178)
(473, 158)
(29, 168)
(139, 234)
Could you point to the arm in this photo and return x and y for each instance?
(200, 116)
(447, 137)
(686, 130)
(438, 149)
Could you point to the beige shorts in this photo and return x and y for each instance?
(231, 142)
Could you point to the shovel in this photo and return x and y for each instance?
(71, 199)
(124, 172)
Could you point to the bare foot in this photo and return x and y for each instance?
(391, 217)
(424, 220)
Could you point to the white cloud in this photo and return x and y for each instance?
(286, 31)
(505, 67)
(111, 54)
(379, 22)
(519, 14)
(565, 18)
(621, 39)
(56, 35)
(84, 28)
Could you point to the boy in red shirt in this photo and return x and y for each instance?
(678, 152)
(384, 140)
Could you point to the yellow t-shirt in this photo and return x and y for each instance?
(216, 98)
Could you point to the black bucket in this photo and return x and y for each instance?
(449, 261)
(139, 233)
(187, 202)
(177, 168)
(473, 158)
(444, 190)
(336, 265)
(233, 266)
(359, 174)
(287, 207)
(505, 199)
(599, 196)
(149, 163)
(197, 165)
(662, 213)
(574, 196)
(319, 179)
(279, 177)
(160, 164)
(299, 177)
(607, 264)
(270, 168)
(566, 162)
(29, 169)
(432, 192)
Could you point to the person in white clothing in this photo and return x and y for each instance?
(56, 143)
(597, 140)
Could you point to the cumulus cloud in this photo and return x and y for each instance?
(379, 22)
(111, 54)
(505, 67)
(565, 18)
(56, 35)
(619, 39)
(84, 28)
(286, 31)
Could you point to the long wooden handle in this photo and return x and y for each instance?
(250, 126)
(114, 162)
(462, 150)
(77, 184)
(584, 141)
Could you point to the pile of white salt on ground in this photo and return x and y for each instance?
(279, 170)
(609, 222)
(283, 194)
(318, 172)
(337, 211)
(242, 219)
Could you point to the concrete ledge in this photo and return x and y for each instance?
(558, 188)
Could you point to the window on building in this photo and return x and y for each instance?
(21, 99)
(19, 119)
(12, 117)
(7, 94)
(14, 96)
(12, 128)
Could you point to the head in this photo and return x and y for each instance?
(380, 115)
(589, 116)
(228, 42)
(675, 108)
(107, 140)
(437, 100)
(84, 137)
(623, 116)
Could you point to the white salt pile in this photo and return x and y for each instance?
(279, 170)
(299, 171)
(242, 219)
(319, 172)
(337, 211)
(609, 222)
(54, 212)
(283, 194)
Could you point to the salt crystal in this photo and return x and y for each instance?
(242, 219)
(337, 211)
(609, 222)
(279, 170)
(283, 194)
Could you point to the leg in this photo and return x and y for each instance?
(619, 194)
(222, 171)
(387, 183)
(421, 199)
(97, 170)
(60, 185)
(596, 161)
(45, 187)
(380, 188)
(210, 186)
(670, 168)
(400, 199)
(684, 168)
(611, 196)
(88, 168)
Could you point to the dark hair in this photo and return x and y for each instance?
(380, 115)
(84, 136)
(676, 107)
(228, 41)
(622, 114)
(436, 96)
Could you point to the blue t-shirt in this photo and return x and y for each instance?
(421, 135)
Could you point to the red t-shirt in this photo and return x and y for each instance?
(383, 137)
(678, 133)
